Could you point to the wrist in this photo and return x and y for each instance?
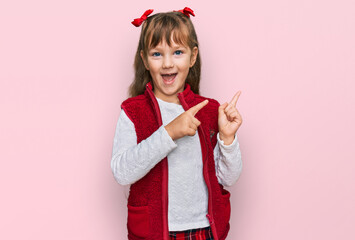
(169, 131)
(227, 140)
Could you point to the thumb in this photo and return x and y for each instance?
(222, 107)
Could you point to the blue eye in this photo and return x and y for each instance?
(156, 54)
(178, 52)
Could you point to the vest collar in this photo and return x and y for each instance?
(187, 95)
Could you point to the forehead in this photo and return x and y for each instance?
(164, 44)
(165, 36)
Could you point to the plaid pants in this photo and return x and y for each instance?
(193, 234)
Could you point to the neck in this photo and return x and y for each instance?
(172, 99)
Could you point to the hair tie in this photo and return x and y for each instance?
(138, 21)
(186, 11)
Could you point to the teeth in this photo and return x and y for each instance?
(168, 77)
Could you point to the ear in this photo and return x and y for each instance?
(144, 60)
(193, 58)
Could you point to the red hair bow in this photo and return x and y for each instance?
(138, 21)
(186, 11)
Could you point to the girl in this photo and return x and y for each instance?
(176, 176)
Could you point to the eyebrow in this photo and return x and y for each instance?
(174, 46)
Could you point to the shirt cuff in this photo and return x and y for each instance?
(166, 137)
(227, 148)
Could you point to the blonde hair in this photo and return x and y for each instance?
(155, 29)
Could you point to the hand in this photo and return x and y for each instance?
(185, 123)
(229, 120)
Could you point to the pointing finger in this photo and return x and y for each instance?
(198, 107)
(235, 98)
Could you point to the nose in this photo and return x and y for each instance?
(168, 62)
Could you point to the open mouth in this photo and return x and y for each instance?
(169, 78)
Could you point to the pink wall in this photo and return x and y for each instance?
(65, 67)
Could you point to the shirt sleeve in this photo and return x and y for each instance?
(228, 161)
(131, 161)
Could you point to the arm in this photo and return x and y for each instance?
(131, 161)
(228, 161)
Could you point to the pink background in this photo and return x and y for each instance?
(65, 67)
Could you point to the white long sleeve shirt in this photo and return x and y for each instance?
(187, 191)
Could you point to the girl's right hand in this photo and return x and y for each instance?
(185, 123)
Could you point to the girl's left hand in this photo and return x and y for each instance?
(229, 120)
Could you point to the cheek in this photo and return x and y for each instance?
(154, 65)
(184, 64)
(154, 73)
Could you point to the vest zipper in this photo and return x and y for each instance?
(165, 171)
(210, 211)
(205, 172)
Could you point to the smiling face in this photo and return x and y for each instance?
(169, 67)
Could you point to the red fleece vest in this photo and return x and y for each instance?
(148, 197)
